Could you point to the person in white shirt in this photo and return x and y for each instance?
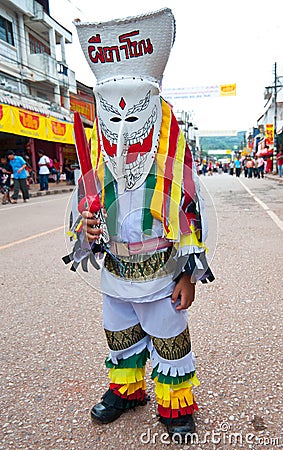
(43, 164)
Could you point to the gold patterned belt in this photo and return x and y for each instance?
(141, 267)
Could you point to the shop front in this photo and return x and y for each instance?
(26, 132)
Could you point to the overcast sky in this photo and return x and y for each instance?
(217, 42)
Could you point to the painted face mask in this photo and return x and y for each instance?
(129, 128)
(128, 58)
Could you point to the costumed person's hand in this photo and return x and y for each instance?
(185, 291)
(91, 233)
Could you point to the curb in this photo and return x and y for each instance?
(50, 192)
(274, 178)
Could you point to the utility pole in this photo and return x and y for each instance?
(275, 119)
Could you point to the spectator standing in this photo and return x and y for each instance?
(260, 167)
(68, 172)
(231, 168)
(210, 168)
(250, 165)
(5, 179)
(56, 169)
(43, 165)
(255, 168)
(279, 158)
(20, 176)
(268, 167)
(244, 167)
(237, 167)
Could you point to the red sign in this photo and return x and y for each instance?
(58, 128)
(84, 108)
(1, 112)
(269, 134)
(29, 120)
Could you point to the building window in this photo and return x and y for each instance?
(37, 46)
(6, 31)
(61, 68)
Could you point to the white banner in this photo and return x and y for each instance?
(217, 90)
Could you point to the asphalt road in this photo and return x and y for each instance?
(53, 346)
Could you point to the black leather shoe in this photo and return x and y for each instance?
(180, 429)
(105, 414)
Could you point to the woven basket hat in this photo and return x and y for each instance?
(131, 47)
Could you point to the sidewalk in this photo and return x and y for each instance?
(274, 177)
(61, 188)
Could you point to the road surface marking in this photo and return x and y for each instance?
(29, 238)
(25, 205)
(271, 214)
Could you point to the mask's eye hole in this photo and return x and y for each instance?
(115, 119)
(131, 119)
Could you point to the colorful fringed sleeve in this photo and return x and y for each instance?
(174, 395)
(127, 384)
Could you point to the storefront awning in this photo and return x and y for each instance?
(265, 152)
(23, 122)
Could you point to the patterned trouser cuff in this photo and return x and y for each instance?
(173, 348)
(121, 340)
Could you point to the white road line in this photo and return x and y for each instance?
(271, 214)
(31, 203)
(29, 238)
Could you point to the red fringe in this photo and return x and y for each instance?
(174, 413)
(138, 395)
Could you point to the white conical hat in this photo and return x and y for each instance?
(131, 47)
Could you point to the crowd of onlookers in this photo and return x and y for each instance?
(17, 174)
(18, 168)
(250, 167)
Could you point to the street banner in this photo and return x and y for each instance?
(6, 118)
(33, 125)
(269, 134)
(222, 90)
(83, 107)
(58, 131)
(227, 90)
(28, 123)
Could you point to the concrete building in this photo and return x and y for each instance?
(190, 131)
(38, 91)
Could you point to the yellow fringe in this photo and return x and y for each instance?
(175, 395)
(132, 387)
(94, 146)
(71, 234)
(176, 191)
(157, 198)
(190, 239)
(126, 376)
(176, 399)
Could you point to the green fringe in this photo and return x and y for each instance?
(167, 379)
(136, 361)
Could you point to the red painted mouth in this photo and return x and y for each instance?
(133, 149)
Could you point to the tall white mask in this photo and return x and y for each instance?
(128, 58)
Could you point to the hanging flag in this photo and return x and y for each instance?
(269, 134)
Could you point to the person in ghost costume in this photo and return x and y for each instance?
(156, 220)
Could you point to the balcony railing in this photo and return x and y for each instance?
(44, 67)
